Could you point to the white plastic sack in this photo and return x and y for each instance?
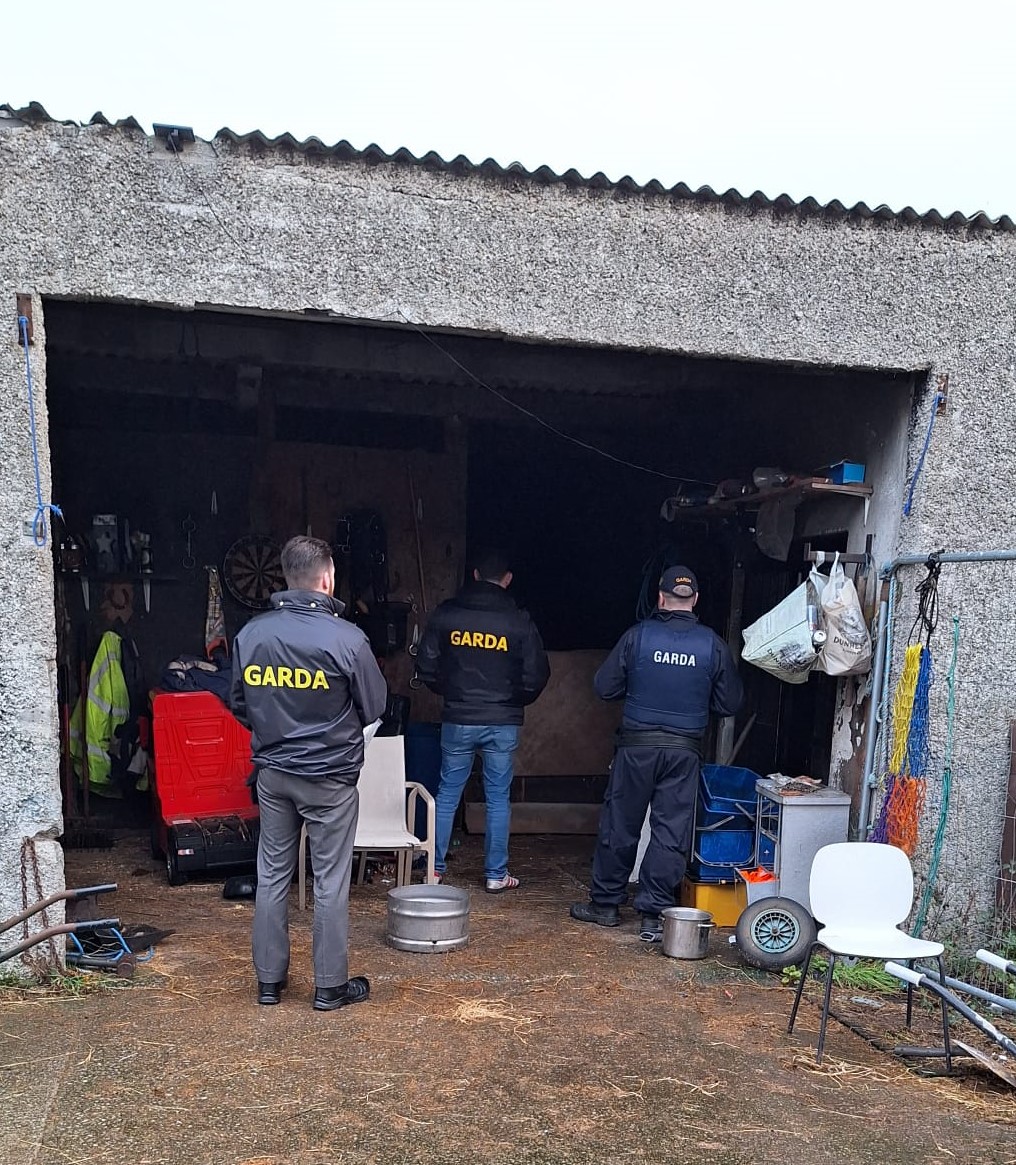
(847, 649)
(781, 641)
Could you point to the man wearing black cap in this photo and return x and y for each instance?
(671, 673)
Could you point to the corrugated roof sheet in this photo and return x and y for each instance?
(345, 151)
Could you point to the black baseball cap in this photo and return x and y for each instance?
(679, 581)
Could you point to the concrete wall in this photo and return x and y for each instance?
(108, 213)
(30, 812)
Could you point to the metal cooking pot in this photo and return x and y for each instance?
(686, 932)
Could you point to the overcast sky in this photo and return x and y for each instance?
(904, 103)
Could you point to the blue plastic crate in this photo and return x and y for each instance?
(727, 797)
(718, 853)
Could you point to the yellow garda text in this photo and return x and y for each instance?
(479, 639)
(283, 677)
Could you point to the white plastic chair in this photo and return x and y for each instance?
(860, 892)
(387, 816)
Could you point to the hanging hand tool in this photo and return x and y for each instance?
(72, 561)
(189, 526)
(142, 546)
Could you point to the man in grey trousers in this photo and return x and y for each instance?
(306, 684)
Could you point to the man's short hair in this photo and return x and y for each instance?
(305, 560)
(492, 565)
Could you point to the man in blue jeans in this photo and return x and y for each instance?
(484, 657)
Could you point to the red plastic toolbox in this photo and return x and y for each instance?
(202, 758)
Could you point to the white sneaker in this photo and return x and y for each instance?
(499, 885)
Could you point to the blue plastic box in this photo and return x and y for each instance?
(844, 472)
(719, 853)
(727, 797)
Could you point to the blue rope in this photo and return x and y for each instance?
(909, 503)
(918, 755)
(39, 530)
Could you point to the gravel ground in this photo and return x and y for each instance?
(543, 1041)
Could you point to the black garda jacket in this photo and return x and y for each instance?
(305, 682)
(484, 656)
(671, 673)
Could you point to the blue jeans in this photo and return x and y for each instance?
(459, 743)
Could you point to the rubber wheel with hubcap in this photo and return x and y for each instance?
(774, 933)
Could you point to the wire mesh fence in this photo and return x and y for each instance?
(965, 852)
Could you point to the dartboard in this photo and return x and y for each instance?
(252, 571)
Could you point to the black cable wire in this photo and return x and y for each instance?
(927, 602)
(192, 181)
(540, 421)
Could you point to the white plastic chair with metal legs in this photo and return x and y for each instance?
(861, 891)
(387, 815)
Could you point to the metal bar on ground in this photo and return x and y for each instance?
(71, 895)
(52, 931)
(983, 1025)
(970, 989)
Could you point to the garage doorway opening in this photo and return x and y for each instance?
(209, 429)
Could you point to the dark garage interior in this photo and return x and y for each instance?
(209, 429)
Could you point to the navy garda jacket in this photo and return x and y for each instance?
(306, 683)
(484, 656)
(671, 673)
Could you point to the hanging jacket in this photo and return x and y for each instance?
(484, 656)
(306, 684)
(106, 710)
(671, 673)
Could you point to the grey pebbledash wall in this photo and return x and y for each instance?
(108, 213)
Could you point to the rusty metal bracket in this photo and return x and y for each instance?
(24, 303)
(943, 395)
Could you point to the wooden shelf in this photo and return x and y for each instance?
(813, 487)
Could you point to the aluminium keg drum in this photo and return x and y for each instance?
(428, 919)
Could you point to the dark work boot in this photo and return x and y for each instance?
(329, 998)
(651, 928)
(270, 993)
(593, 912)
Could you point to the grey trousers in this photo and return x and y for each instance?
(330, 809)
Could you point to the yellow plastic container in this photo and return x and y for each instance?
(724, 900)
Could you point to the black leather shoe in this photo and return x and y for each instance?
(270, 993)
(651, 928)
(329, 998)
(591, 912)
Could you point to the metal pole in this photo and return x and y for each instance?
(872, 727)
(942, 556)
(919, 979)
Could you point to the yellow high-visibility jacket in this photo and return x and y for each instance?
(106, 708)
